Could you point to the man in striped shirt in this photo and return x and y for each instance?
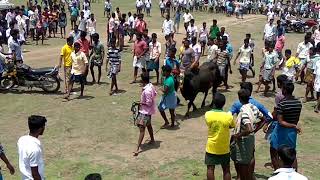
(288, 114)
(114, 59)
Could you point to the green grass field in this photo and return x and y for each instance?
(96, 135)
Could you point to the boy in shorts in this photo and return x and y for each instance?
(252, 45)
(222, 61)
(107, 8)
(155, 52)
(140, 48)
(97, 56)
(114, 60)
(245, 54)
(79, 68)
(308, 78)
(147, 109)
(270, 60)
(203, 37)
(218, 144)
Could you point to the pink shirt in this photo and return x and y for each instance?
(148, 96)
(141, 26)
(111, 25)
(280, 43)
(139, 47)
(85, 46)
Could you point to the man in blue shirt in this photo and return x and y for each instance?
(236, 106)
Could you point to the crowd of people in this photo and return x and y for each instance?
(230, 7)
(84, 50)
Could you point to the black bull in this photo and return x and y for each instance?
(207, 76)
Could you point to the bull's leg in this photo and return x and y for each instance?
(214, 90)
(194, 107)
(204, 99)
(188, 110)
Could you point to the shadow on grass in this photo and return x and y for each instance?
(121, 91)
(146, 146)
(85, 97)
(260, 176)
(269, 94)
(194, 114)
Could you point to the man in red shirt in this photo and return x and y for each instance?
(85, 48)
(140, 49)
(141, 25)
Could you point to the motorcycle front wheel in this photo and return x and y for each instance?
(7, 83)
(50, 84)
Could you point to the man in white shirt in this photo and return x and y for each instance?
(196, 48)
(82, 22)
(167, 26)
(30, 150)
(187, 18)
(192, 30)
(270, 15)
(223, 33)
(91, 26)
(155, 53)
(139, 5)
(244, 63)
(21, 25)
(287, 156)
(10, 16)
(86, 12)
(269, 33)
(131, 23)
(212, 49)
(303, 55)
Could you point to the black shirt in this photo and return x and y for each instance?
(290, 109)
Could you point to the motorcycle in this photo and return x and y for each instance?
(287, 25)
(23, 75)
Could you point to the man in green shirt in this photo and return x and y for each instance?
(214, 29)
(168, 99)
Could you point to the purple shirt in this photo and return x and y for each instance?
(147, 100)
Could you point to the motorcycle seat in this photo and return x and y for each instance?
(42, 70)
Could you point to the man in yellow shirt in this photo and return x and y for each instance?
(79, 68)
(65, 57)
(291, 66)
(218, 144)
